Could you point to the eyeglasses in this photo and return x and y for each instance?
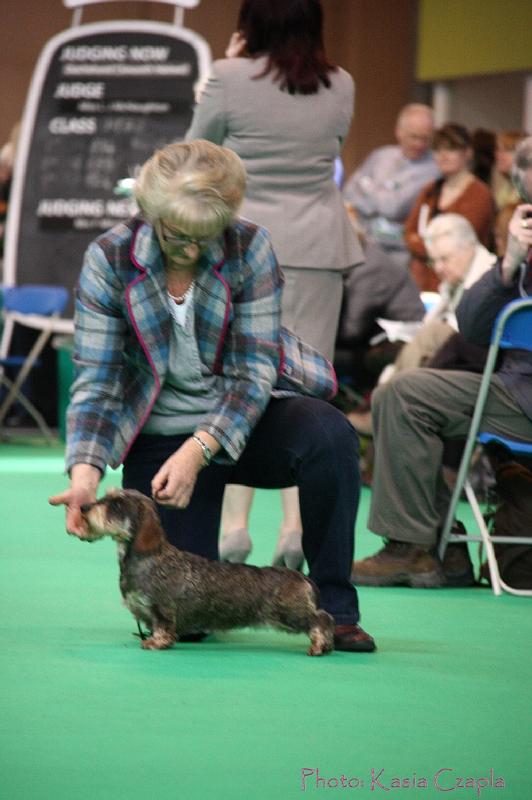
(431, 262)
(181, 240)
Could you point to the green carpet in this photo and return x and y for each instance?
(87, 715)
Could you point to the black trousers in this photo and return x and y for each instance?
(299, 441)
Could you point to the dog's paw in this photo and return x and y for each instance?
(316, 650)
(159, 641)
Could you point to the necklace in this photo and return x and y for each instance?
(180, 298)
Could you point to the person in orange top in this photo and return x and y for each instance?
(457, 192)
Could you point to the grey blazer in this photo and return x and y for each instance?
(288, 144)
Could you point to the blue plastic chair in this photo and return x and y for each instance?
(512, 330)
(37, 307)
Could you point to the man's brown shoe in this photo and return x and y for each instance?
(353, 639)
(457, 566)
(399, 564)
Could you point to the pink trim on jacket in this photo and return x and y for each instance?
(133, 283)
(281, 359)
(335, 379)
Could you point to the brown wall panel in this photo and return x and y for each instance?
(373, 40)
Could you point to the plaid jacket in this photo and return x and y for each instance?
(122, 322)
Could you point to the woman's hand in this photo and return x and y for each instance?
(519, 241)
(237, 46)
(174, 483)
(83, 489)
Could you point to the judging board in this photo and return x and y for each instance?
(103, 97)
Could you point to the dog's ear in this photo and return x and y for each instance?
(150, 533)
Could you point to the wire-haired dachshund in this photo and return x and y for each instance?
(175, 593)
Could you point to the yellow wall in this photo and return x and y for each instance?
(473, 37)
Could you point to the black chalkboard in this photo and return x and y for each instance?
(103, 98)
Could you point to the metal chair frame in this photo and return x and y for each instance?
(512, 330)
(37, 307)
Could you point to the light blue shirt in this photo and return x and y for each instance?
(383, 190)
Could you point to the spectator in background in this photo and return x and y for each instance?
(284, 108)
(382, 191)
(505, 194)
(459, 260)
(378, 288)
(419, 409)
(457, 191)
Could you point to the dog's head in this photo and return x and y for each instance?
(127, 516)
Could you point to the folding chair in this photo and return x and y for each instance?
(37, 307)
(512, 330)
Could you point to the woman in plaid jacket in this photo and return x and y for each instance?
(184, 375)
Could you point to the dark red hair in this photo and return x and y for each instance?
(290, 34)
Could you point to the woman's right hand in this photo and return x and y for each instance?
(84, 485)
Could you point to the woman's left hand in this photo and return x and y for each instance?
(237, 45)
(519, 241)
(174, 483)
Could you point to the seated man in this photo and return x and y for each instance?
(459, 260)
(418, 409)
(382, 191)
(378, 288)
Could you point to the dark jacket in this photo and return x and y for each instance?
(476, 315)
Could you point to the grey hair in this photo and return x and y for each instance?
(522, 163)
(454, 227)
(197, 185)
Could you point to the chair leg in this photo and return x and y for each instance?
(461, 479)
(486, 538)
(31, 410)
(497, 583)
(518, 592)
(14, 392)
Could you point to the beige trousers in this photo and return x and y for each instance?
(412, 415)
(311, 304)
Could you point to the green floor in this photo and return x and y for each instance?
(87, 715)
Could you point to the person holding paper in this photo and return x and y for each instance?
(459, 260)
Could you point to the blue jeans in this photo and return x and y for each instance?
(299, 441)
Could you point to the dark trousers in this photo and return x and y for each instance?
(299, 441)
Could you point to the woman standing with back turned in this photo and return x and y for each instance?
(281, 105)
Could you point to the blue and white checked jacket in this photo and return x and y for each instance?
(122, 321)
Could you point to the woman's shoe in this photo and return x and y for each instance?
(289, 552)
(235, 546)
(353, 639)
